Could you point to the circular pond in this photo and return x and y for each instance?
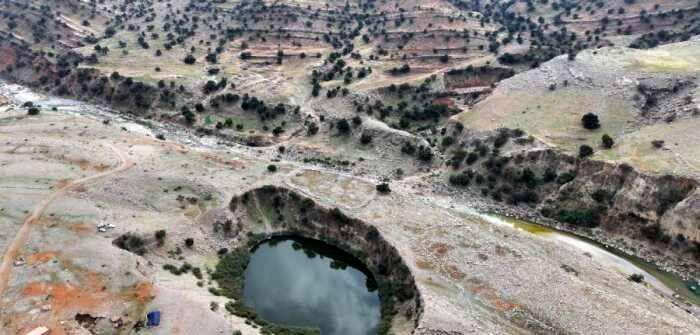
(300, 282)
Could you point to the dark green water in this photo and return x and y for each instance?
(307, 283)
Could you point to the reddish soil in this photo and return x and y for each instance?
(142, 293)
(41, 257)
(8, 56)
(67, 299)
(440, 249)
(81, 228)
(487, 292)
(444, 101)
(454, 272)
(219, 160)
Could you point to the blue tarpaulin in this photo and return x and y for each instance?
(153, 318)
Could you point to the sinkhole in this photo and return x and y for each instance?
(301, 282)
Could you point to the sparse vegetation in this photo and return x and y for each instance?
(383, 94)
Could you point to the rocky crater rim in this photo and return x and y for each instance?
(274, 212)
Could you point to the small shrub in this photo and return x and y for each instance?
(172, 269)
(197, 272)
(526, 196)
(425, 154)
(366, 138)
(580, 217)
(132, 243)
(636, 277)
(408, 148)
(272, 168)
(590, 121)
(652, 231)
(460, 179)
(549, 175)
(607, 141)
(343, 126)
(472, 158)
(447, 141)
(189, 60)
(501, 139)
(383, 188)
(602, 196)
(160, 236)
(312, 129)
(566, 177)
(585, 151)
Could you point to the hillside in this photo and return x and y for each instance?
(409, 134)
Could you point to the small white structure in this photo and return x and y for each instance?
(103, 227)
(39, 331)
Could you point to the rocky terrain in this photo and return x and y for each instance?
(146, 143)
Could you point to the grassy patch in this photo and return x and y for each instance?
(681, 155)
(668, 58)
(552, 117)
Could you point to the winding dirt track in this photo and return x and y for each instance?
(23, 234)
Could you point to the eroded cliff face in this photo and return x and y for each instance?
(623, 196)
(60, 75)
(684, 218)
(275, 210)
(654, 216)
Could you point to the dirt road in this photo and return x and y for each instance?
(23, 234)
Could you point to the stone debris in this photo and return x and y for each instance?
(117, 322)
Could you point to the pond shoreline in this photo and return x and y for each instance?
(301, 282)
